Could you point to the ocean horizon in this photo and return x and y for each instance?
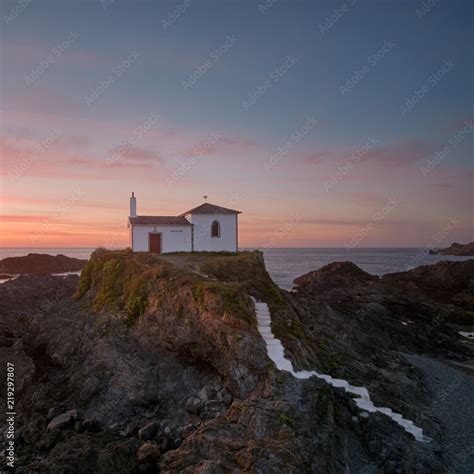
(284, 264)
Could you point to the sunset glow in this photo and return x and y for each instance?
(318, 139)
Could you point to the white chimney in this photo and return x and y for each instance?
(133, 206)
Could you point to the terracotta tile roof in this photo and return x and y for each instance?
(208, 208)
(159, 220)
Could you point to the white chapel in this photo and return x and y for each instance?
(207, 228)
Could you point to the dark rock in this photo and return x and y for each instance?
(41, 264)
(148, 453)
(188, 429)
(207, 393)
(91, 425)
(148, 432)
(459, 250)
(131, 430)
(197, 332)
(62, 420)
(146, 468)
(55, 411)
(334, 275)
(194, 405)
(446, 282)
(117, 457)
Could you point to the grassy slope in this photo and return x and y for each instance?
(124, 282)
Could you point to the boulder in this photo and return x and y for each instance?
(194, 405)
(148, 453)
(91, 425)
(55, 411)
(148, 432)
(62, 420)
(336, 275)
(207, 393)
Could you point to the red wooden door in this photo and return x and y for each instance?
(155, 243)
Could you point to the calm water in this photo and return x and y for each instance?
(285, 264)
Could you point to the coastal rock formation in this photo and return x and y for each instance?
(333, 276)
(459, 250)
(40, 264)
(156, 364)
(383, 333)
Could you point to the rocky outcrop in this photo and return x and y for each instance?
(40, 264)
(364, 331)
(334, 275)
(445, 282)
(149, 366)
(459, 250)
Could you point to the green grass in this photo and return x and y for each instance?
(285, 419)
(125, 282)
(232, 299)
(205, 254)
(247, 269)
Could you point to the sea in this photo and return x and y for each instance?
(286, 264)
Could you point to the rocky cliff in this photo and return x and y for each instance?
(459, 250)
(40, 264)
(155, 364)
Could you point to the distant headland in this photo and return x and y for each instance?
(458, 250)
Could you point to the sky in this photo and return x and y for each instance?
(327, 123)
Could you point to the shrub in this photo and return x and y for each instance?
(285, 419)
(135, 306)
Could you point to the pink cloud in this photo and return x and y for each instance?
(402, 153)
(215, 144)
(134, 153)
(21, 158)
(23, 218)
(319, 157)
